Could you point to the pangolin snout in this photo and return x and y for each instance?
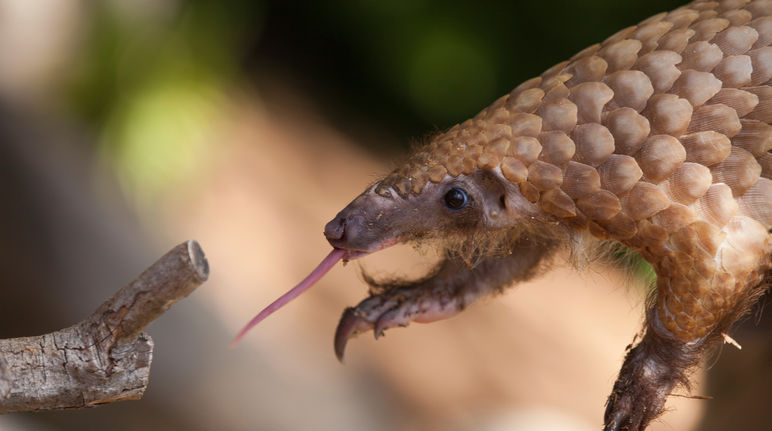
(335, 229)
(364, 225)
(346, 231)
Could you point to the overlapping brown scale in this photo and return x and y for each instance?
(717, 118)
(701, 56)
(704, 5)
(734, 71)
(728, 5)
(529, 191)
(718, 205)
(759, 8)
(644, 200)
(765, 160)
(494, 115)
(588, 69)
(736, 39)
(544, 176)
(525, 101)
(492, 154)
(708, 14)
(746, 241)
(619, 173)
(755, 137)
(761, 61)
(620, 226)
(437, 173)
(650, 33)
(514, 170)
(651, 236)
(696, 87)
(631, 88)
(676, 40)
(707, 28)
(557, 203)
(660, 67)
(682, 17)
(674, 217)
(743, 102)
(763, 27)
(628, 128)
(600, 205)
(659, 157)
(739, 171)
(580, 180)
(590, 99)
(594, 143)
(524, 148)
(668, 114)
(555, 92)
(756, 202)
(737, 16)
(527, 85)
(706, 148)
(620, 55)
(690, 182)
(558, 115)
(557, 147)
(762, 111)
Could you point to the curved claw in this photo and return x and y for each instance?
(351, 323)
(397, 307)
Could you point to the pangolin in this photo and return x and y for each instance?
(658, 138)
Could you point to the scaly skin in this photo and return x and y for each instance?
(658, 138)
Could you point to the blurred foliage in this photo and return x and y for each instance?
(154, 85)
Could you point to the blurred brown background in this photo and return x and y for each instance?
(127, 127)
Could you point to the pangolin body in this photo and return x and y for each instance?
(659, 138)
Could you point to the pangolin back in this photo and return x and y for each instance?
(659, 138)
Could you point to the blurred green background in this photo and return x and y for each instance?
(144, 72)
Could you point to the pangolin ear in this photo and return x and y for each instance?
(496, 200)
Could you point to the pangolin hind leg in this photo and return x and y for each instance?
(451, 287)
(702, 289)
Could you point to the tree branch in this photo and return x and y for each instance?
(106, 357)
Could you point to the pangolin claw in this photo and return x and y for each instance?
(351, 323)
(396, 307)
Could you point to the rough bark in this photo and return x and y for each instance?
(106, 357)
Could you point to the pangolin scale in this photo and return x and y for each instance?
(658, 138)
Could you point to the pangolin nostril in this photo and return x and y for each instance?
(335, 229)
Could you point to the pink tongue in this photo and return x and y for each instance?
(327, 264)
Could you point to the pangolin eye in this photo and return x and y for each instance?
(456, 198)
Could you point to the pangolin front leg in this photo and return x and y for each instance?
(452, 286)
